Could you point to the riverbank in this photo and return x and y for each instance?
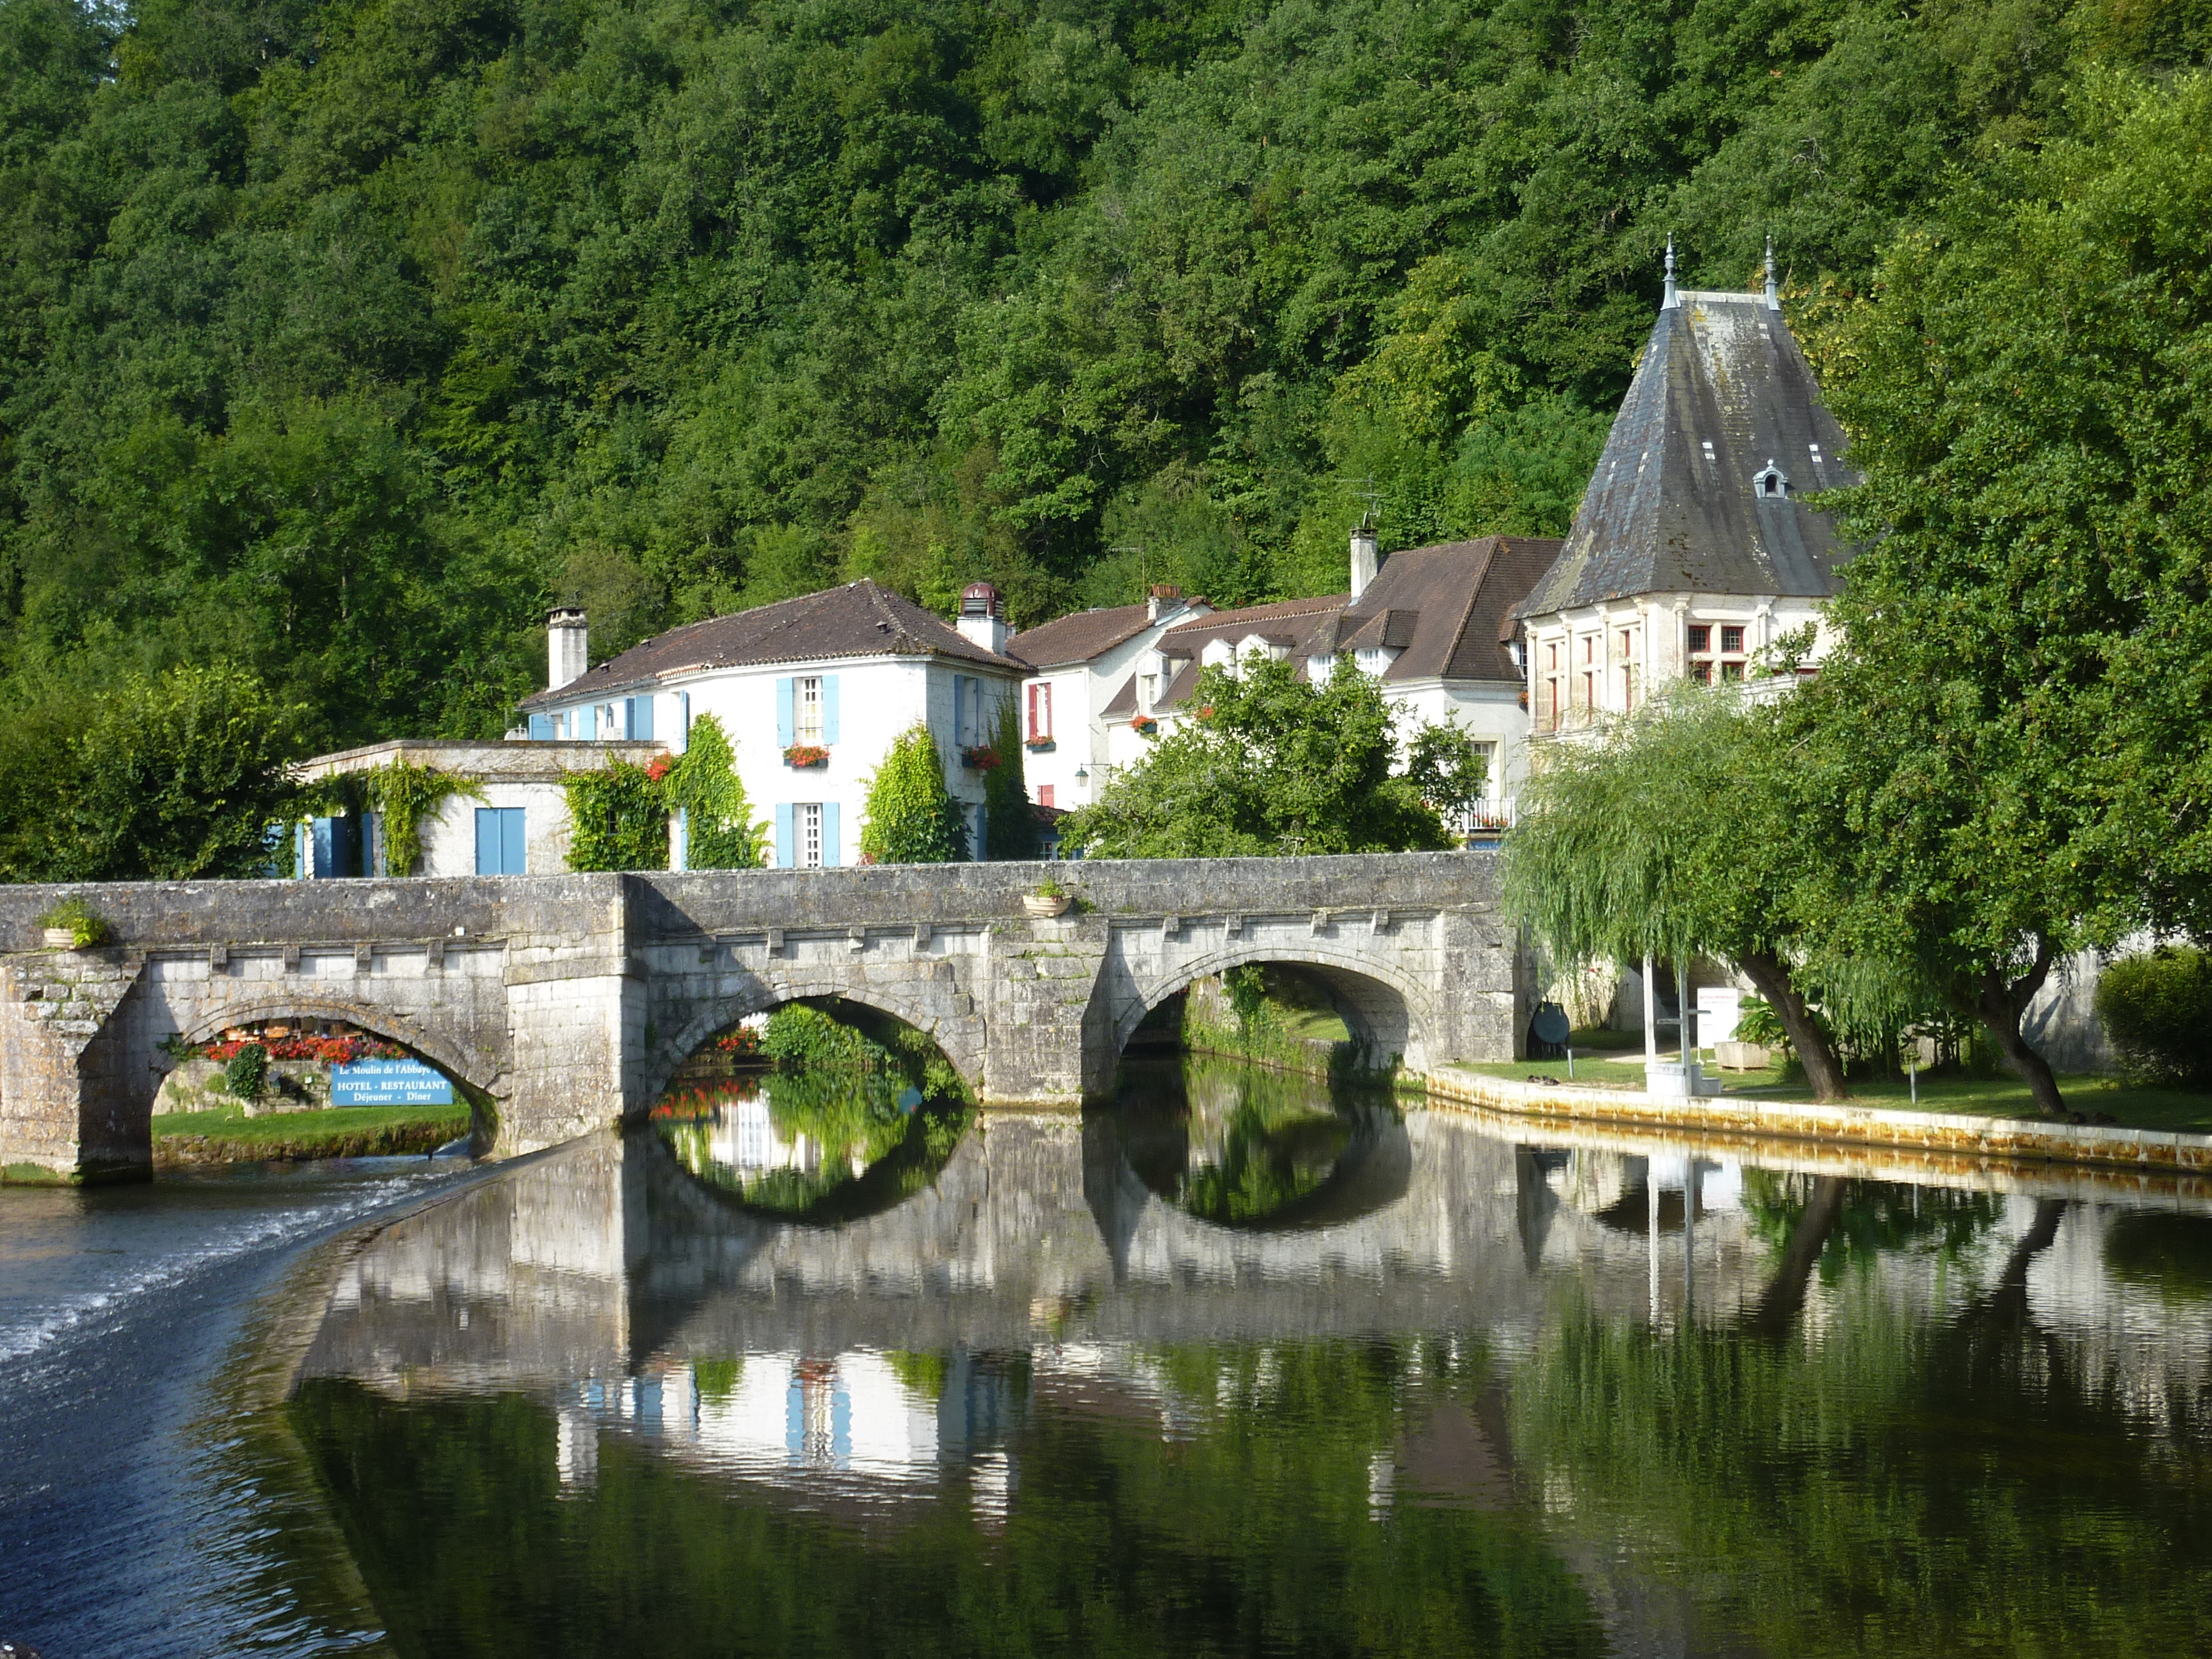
(1929, 1129)
(190, 1139)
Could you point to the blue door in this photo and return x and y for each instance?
(500, 850)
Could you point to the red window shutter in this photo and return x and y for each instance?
(1035, 733)
(1044, 794)
(1044, 702)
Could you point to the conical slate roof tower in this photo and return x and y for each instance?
(1693, 546)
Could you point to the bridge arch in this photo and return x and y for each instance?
(1390, 1011)
(959, 1039)
(480, 1072)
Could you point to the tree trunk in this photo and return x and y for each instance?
(1822, 1070)
(1998, 1004)
(1785, 1291)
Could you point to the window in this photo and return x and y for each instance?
(1041, 711)
(1590, 692)
(1771, 482)
(1148, 691)
(1731, 639)
(1701, 638)
(808, 698)
(500, 847)
(1731, 671)
(1044, 794)
(810, 833)
(1703, 657)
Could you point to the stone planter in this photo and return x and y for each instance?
(1741, 1057)
(1041, 907)
(57, 939)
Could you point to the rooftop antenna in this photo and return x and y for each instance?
(1373, 497)
(1144, 568)
(1773, 294)
(1667, 304)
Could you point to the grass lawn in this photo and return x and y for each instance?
(339, 1131)
(1615, 1059)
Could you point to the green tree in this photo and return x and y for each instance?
(1673, 836)
(1449, 768)
(1010, 824)
(175, 777)
(704, 782)
(910, 816)
(2009, 756)
(1267, 763)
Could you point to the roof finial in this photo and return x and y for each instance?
(1773, 294)
(1667, 304)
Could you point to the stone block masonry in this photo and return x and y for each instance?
(562, 1003)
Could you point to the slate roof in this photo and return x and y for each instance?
(861, 619)
(1660, 515)
(1441, 608)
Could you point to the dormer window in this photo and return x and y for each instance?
(1769, 482)
(1709, 460)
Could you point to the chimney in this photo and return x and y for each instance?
(1364, 558)
(983, 616)
(568, 648)
(1156, 601)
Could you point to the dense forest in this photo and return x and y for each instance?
(338, 340)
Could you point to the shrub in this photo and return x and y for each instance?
(911, 817)
(617, 819)
(722, 835)
(247, 1072)
(2157, 1010)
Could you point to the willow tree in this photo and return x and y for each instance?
(910, 816)
(719, 830)
(1672, 838)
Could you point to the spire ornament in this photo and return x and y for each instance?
(1667, 304)
(1773, 294)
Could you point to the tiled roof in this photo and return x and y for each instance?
(861, 619)
(1721, 391)
(1079, 637)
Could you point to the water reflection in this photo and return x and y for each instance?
(1248, 1146)
(1454, 1386)
(814, 1145)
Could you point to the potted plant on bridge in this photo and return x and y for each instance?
(1047, 899)
(71, 925)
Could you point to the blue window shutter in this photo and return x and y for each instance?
(783, 836)
(487, 841)
(683, 721)
(640, 719)
(829, 849)
(786, 724)
(959, 709)
(587, 723)
(981, 850)
(828, 708)
(514, 853)
(541, 728)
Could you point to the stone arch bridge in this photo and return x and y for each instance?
(567, 1002)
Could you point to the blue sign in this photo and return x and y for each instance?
(389, 1083)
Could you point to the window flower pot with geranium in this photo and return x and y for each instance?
(979, 757)
(806, 754)
(1145, 726)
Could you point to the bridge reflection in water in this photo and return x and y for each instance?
(1629, 1355)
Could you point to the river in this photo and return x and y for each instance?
(1242, 1366)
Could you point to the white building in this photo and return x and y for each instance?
(1433, 623)
(1078, 663)
(1694, 549)
(811, 692)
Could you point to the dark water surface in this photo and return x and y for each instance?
(1241, 1367)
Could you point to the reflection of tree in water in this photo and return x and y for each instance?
(2171, 1254)
(1233, 1143)
(815, 1145)
(1943, 1479)
(1255, 1530)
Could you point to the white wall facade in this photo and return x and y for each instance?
(866, 702)
(1585, 665)
(1084, 738)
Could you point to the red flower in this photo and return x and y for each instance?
(656, 768)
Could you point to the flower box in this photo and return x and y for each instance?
(806, 754)
(1144, 726)
(981, 757)
(1040, 745)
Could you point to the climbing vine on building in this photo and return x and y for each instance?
(703, 783)
(403, 796)
(910, 816)
(618, 821)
